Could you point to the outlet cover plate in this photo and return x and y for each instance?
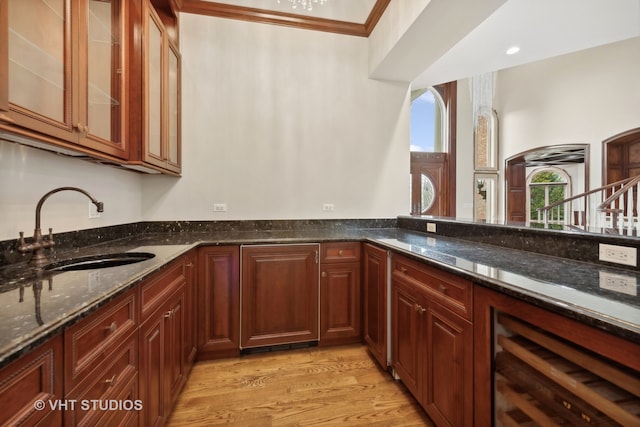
(618, 254)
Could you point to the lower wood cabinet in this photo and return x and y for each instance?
(162, 337)
(535, 367)
(35, 377)
(340, 295)
(191, 295)
(279, 302)
(432, 346)
(374, 303)
(101, 363)
(218, 302)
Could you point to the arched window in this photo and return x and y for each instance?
(546, 186)
(429, 145)
(427, 121)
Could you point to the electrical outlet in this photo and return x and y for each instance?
(93, 211)
(619, 254)
(328, 207)
(619, 283)
(219, 207)
(431, 227)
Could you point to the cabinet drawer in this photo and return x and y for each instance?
(35, 377)
(340, 252)
(155, 291)
(114, 380)
(445, 288)
(90, 341)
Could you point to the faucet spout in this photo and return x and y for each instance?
(39, 244)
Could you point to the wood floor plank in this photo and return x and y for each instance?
(304, 387)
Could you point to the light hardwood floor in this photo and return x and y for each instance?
(305, 387)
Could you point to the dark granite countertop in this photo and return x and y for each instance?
(35, 307)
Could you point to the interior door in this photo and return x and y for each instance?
(429, 184)
(516, 191)
(622, 156)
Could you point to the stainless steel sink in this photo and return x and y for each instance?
(98, 261)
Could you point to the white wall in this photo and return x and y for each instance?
(26, 174)
(579, 98)
(278, 121)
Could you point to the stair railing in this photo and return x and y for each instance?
(612, 206)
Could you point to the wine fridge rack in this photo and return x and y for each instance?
(543, 380)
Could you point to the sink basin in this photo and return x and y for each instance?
(99, 261)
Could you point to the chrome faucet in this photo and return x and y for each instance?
(39, 243)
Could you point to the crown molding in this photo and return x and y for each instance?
(223, 10)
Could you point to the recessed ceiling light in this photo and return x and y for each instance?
(512, 50)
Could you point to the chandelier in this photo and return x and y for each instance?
(305, 4)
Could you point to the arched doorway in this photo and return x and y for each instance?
(516, 174)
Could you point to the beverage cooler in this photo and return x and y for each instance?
(541, 379)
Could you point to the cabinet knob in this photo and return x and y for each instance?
(403, 270)
(340, 252)
(169, 314)
(442, 288)
(111, 381)
(419, 309)
(189, 265)
(324, 274)
(112, 327)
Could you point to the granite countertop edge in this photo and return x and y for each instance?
(173, 245)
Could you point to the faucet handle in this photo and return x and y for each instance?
(22, 245)
(49, 242)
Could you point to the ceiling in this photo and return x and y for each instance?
(356, 11)
(455, 39)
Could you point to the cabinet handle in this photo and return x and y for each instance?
(419, 309)
(111, 381)
(403, 270)
(324, 274)
(340, 252)
(169, 314)
(189, 265)
(442, 288)
(112, 327)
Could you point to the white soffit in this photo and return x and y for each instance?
(541, 28)
(436, 30)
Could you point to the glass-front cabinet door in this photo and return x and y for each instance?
(154, 90)
(173, 105)
(101, 83)
(62, 73)
(38, 66)
(161, 88)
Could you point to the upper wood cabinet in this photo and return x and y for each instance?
(63, 74)
(159, 101)
(96, 78)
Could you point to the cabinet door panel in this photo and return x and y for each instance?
(174, 338)
(173, 105)
(449, 368)
(340, 303)
(101, 91)
(279, 294)
(39, 68)
(375, 302)
(219, 301)
(154, 74)
(36, 376)
(152, 371)
(405, 338)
